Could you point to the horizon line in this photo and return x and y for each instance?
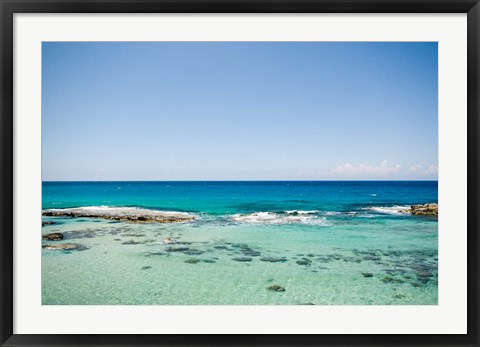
(265, 180)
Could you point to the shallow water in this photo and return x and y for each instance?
(331, 251)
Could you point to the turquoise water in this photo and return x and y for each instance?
(324, 243)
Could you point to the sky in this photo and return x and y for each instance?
(239, 111)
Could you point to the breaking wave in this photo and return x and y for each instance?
(280, 218)
(394, 210)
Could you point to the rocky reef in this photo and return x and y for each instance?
(424, 210)
(127, 214)
(64, 247)
(53, 236)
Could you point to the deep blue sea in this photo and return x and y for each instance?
(323, 242)
(218, 198)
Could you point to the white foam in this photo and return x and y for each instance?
(332, 213)
(278, 218)
(366, 216)
(394, 210)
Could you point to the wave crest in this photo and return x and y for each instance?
(279, 218)
(395, 210)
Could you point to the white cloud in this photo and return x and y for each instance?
(362, 170)
(424, 170)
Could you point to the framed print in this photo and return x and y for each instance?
(239, 173)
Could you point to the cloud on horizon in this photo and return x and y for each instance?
(386, 170)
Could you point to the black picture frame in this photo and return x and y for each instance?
(10, 7)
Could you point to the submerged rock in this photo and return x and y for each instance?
(388, 279)
(64, 246)
(304, 261)
(146, 267)
(177, 249)
(48, 222)
(424, 210)
(251, 253)
(130, 242)
(193, 252)
(192, 261)
(155, 253)
(242, 259)
(53, 236)
(273, 259)
(276, 288)
(367, 274)
(79, 234)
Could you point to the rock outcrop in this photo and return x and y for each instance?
(127, 214)
(424, 210)
(276, 288)
(53, 236)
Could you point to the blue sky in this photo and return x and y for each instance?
(239, 111)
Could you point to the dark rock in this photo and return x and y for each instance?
(304, 261)
(155, 253)
(177, 249)
(192, 261)
(193, 252)
(274, 260)
(252, 253)
(242, 259)
(276, 288)
(53, 236)
(130, 242)
(48, 222)
(146, 267)
(367, 274)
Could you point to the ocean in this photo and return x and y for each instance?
(251, 243)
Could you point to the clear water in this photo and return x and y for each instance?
(345, 244)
